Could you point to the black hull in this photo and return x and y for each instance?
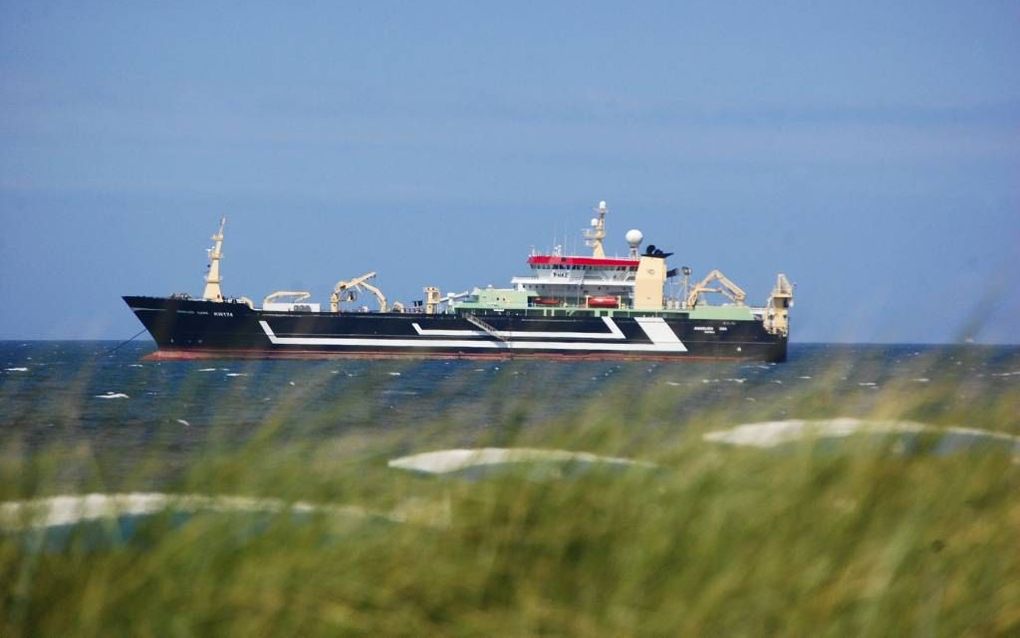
(202, 329)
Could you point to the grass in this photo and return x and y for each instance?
(805, 540)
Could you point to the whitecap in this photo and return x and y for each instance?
(113, 395)
(208, 370)
(16, 369)
(393, 374)
(237, 374)
(184, 422)
(867, 384)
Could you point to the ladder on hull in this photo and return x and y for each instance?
(492, 332)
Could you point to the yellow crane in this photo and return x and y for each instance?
(347, 290)
(726, 287)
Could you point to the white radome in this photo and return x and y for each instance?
(634, 236)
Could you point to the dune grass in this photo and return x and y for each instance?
(858, 539)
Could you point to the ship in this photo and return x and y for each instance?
(568, 307)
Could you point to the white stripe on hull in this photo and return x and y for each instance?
(659, 332)
(661, 342)
(614, 333)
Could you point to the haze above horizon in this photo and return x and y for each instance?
(871, 152)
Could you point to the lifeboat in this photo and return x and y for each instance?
(547, 301)
(603, 302)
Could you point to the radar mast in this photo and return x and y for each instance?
(597, 233)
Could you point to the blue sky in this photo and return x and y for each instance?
(871, 151)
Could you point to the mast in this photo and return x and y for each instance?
(212, 290)
(597, 233)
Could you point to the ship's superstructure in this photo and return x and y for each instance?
(569, 306)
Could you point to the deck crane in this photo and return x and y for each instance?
(734, 292)
(347, 290)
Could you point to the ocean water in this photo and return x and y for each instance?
(135, 493)
(63, 393)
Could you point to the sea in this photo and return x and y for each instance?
(108, 396)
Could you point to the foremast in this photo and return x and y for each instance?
(212, 290)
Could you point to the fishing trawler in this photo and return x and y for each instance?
(568, 307)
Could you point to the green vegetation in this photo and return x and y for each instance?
(857, 539)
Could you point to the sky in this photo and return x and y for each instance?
(869, 150)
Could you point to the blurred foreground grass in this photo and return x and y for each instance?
(856, 540)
